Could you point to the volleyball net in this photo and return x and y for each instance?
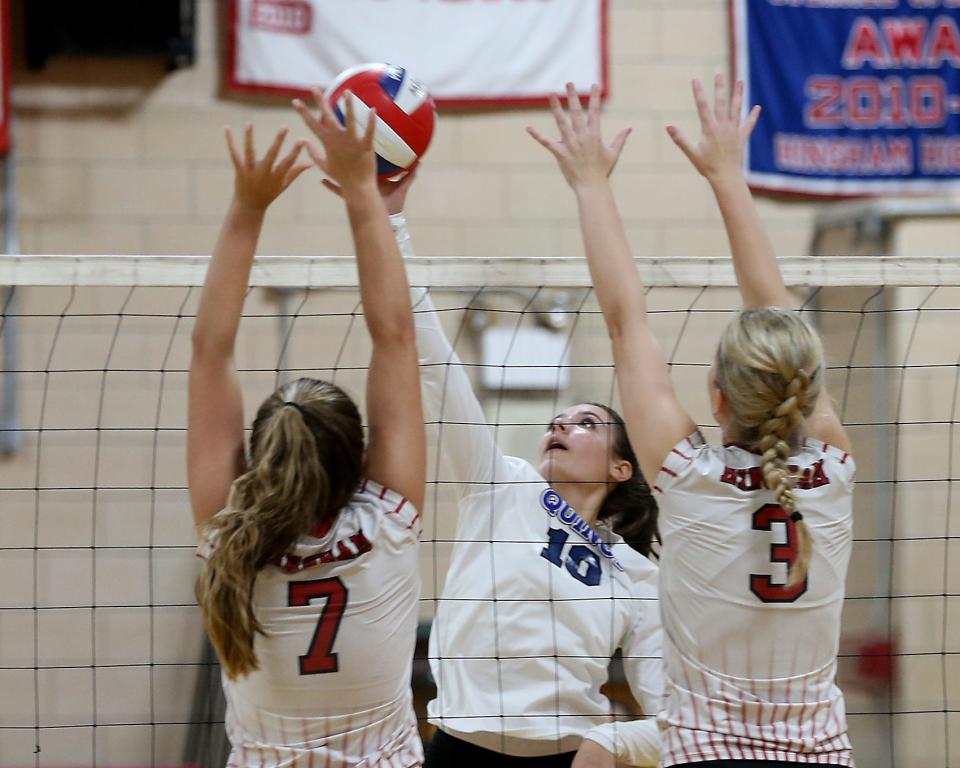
(103, 659)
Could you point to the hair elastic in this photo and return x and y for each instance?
(297, 406)
(796, 517)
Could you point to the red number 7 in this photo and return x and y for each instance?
(319, 658)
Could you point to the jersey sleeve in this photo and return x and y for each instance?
(465, 439)
(637, 742)
(397, 509)
(679, 461)
(207, 539)
(843, 466)
(205, 547)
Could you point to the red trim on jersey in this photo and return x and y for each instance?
(657, 489)
(262, 738)
(678, 737)
(363, 742)
(802, 717)
(383, 492)
(709, 697)
(284, 739)
(696, 713)
(681, 455)
(726, 706)
(307, 742)
(771, 700)
(397, 509)
(845, 457)
(826, 447)
(668, 471)
(836, 721)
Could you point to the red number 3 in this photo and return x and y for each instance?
(319, 658)
(761, 584)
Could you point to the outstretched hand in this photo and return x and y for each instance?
(580, 151)
(257, 183)
(723, 135)
(347, 157)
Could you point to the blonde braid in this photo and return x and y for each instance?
(761, 368)
(774, 445)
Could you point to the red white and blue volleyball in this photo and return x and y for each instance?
(406, 114)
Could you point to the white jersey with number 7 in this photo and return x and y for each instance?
(339, 614)
(750, 663)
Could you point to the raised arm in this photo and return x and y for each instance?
(466, 440)
(466, 444)
(215, 452)
(655, 420)
(396, 449)
(718, 156)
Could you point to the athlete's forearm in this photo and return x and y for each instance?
(225, 285)
(612, 269)
(754, 260)
(383, 278)
(448, 396)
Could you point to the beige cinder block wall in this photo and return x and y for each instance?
(124, 158)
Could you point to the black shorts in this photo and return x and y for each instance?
(446, 751)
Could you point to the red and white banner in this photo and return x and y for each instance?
(466, 52)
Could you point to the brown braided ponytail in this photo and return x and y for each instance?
(306, 461)
(768, 367)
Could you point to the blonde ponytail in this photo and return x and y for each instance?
(767, 367)
(775, 448)
(304, 436)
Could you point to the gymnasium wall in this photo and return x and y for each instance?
(129, 159)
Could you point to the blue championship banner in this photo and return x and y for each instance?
(859, 97)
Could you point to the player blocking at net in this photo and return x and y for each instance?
(549, 574)
(756, 533)
(309, 586)
(510, 693)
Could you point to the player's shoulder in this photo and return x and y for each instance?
(372, 498)
(691, 450)
(816, 449)
(640, 569)
(825, 461)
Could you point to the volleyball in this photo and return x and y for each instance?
(406, 114)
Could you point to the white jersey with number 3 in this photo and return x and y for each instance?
(750, 663)
(339, 614)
